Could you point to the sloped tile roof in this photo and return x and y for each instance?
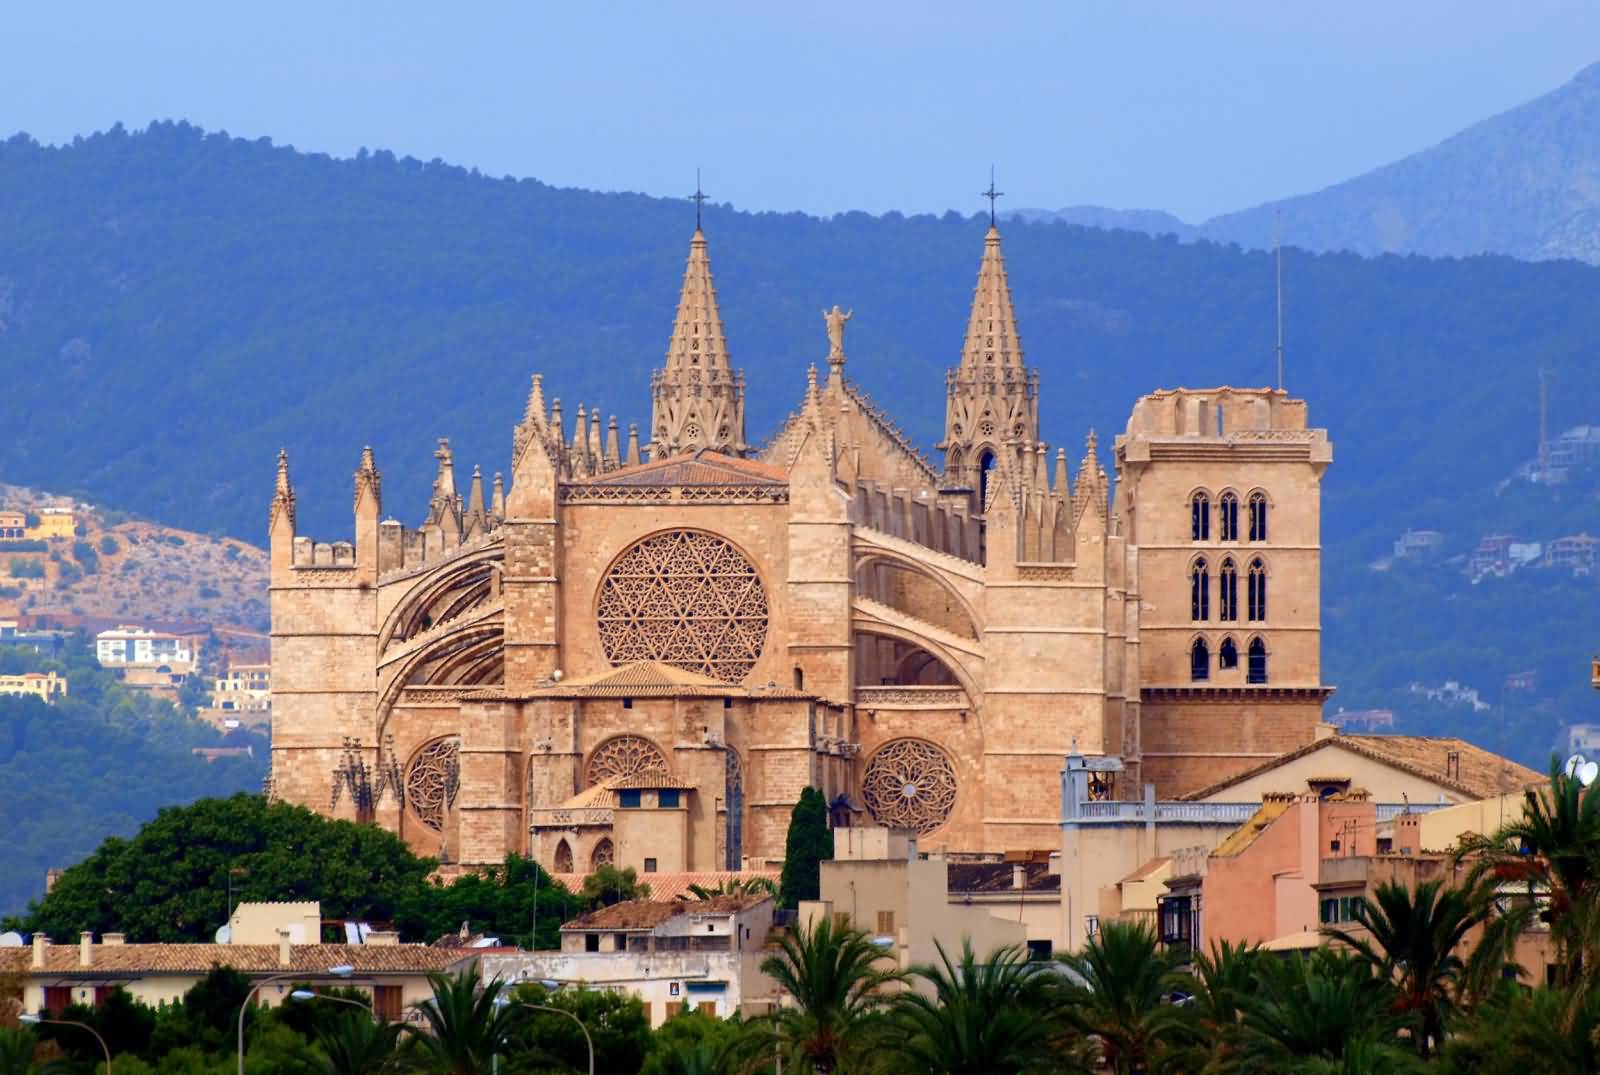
(1481, 774)
(999, 877)
(1240, 839)
(648, 914)
(703, 467)
(312, 960)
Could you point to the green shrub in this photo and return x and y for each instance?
(109, 546)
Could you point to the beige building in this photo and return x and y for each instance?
(703, 955)
(634, 620)
(879, 882)
(46, 686)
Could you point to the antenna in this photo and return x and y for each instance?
(1544, 427)
(698, 197)
(991, 194)
(1277, 266)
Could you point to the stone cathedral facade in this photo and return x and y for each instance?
(640, 649)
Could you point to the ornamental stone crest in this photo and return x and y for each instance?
(909, 784)
(688, 599)
(625, 756)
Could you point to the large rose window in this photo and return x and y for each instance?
(688, 599)
(910, 784)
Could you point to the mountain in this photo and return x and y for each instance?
(180, 304)
(1149, 221)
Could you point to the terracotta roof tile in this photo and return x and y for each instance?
(309, 959)
(648, 914)
(1481, 774)
(1241, 838)
(999, 877)
(703, 467)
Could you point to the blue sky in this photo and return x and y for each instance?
(1194, 108)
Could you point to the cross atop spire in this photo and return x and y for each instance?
(699, 198)
(698, 400)
(992, 195)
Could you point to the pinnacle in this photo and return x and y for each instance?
(992, 328)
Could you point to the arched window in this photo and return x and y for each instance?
(1200, 518)
(1258, 516)
(563, 863)
(1228, 592)
(1258, 591)
(605, 854)
(1228, 517)
(1200, 592)
(1228, 654)
(1199, 661)
(1257, 672)
(985, 465)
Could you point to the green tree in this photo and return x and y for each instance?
(1411, 937)
(1003, 1016)
(170, 882)
(18, 1048)
(1520, 1031)
(1307, 1012)
(1202, 1032)
(464, 1027)
(729, 886)
(833, 977)
(694, 1043)
(611, 884)
(809, 842)
(500, 900)
(1124, 974)
(617, 1024)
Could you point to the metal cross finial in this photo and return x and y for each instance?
(698, 197)
(991, 194)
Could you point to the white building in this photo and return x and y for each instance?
(128, 645)
(696, 954)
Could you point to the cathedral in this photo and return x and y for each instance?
(639, 649)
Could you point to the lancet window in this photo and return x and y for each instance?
(1199, 661)
(1228, 591)
(1258, 591)
(1200, 517)
(1258, 516)
(1228, 517)
(1200, 592)
(1228, 654)
(1257, 670)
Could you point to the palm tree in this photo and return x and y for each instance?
(832, 979)
(1554, 850)
(1202, 1031)
(1124, 972)
(1519, 1031)
(17, 1048)
(1411, 938)
(732, 886)
(999, 1017)
(466, 1026)
(355, 1045)
(1311, 1010)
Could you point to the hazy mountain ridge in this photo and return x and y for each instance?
(182, 304)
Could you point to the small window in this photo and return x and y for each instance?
(1257, 672)
(1200, 518)
(1200, 592)
(649, 865)
(841, 920)
(1228, 655)
(628, 798)
(591, 942)
(727, 703)
(1199, 661)
(619, 942)
(667, 798)
(1258, 516)
(1386, 845)
(1228, 517)
(886, 923)
(627, 703)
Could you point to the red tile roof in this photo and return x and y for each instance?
(256, 959)
(703, 467)
(648, 914)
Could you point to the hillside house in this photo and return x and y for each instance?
(128, 645)
(13, 526)
(46, 686)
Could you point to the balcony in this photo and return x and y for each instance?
(1139, 813)
(563, 818)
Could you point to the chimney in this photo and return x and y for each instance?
(114, 940)
(383, 938)
(1452, 765)
(1019, 875)
(285, 956)
(40, 942)
(86, 949)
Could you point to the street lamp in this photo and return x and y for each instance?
(306, 994)
(34, 1020)
(343, 970)
(550, 983)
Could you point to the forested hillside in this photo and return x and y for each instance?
(180, 305)
(96, 764)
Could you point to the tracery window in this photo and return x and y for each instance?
(1228, 517)
(604, 854)
(1199, 661)
(1228, 654)
(432, 779)
(685, 598)
(1257, 598)
(909, 784)
(628, 756)
(1256, 672)
(1228, 591)
(734, 801)
(1200, 592)
(1200, 517)
(1258, 516)
(563, 860)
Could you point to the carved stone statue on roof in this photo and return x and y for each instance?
(836, 319)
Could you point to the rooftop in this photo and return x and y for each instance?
(703, 467)
(1000, 877)
(648, 914)
(1240, 839)
(309, 959)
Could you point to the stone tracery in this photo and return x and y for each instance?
(688, 599)
(432, 779)
(626, 756)
(910, 784)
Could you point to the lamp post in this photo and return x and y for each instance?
(343, 970)
(34, 1020)
(552, 984)
(306, 994)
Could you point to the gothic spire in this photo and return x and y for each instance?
(369, 482)
(992, 326)
(282, 495)
(697, 401)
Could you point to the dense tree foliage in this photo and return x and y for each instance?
(808, 843)
(93, 764)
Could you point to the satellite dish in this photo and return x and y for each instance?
(224, 935)
(1582, 769)
(10, 939)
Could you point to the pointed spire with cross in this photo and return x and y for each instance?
(699, 198)
(992, 195)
